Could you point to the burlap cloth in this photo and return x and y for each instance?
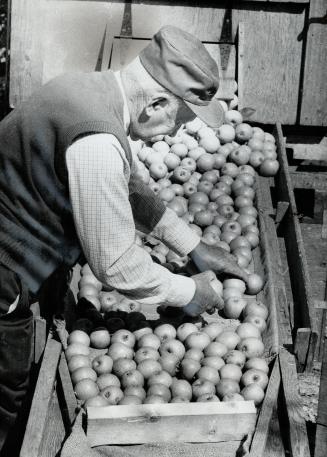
(76, 445)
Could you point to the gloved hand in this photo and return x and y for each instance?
(206, 297)
(218, 260)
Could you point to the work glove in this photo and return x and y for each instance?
(218, 260)
(206, 297)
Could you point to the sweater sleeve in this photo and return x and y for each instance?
(98, 183)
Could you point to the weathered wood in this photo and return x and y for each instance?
(310, 152)
(275, 445)
(176, 422)
(42, 398)
(270, 62)
(40, 337)
(309, 180)
(304, 313)
(281, 210)
(298, 438)
(66, 393)
(301, 345)
(324, 225)
(321, 430)
(260, 436)
(240, 36)
(314, 97)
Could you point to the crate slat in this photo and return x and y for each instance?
(179, 422)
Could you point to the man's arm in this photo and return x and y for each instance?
(98, 183)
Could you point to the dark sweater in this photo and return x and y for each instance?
(37, 232)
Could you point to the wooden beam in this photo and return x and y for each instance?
(260, 436)
(41, 400)
(298, 439)
(309, 180)
(281, 210)
(66, 395)
(321, 430)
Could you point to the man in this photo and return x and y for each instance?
(68, 185)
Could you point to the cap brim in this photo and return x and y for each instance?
(212, 114)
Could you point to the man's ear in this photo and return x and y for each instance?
(156, 104)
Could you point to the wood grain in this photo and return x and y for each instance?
(261, 433)
(321, 431)
(314, 97)
(41, 401)
(270, 63)
(179, 422)
(298, 438)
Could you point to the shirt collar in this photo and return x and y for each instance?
(127, 118)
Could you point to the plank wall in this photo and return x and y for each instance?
(283, 61)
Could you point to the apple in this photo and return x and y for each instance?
(159, 389)
(189, 367)
(250, 229)
(253, 392)
(160, 146)
(181, 174)
(254, 284)
(102, 364)
(146, 353)
(205, 186)
(215, 349)
(194, 126)
(181, 388)
(88, 290)
(247, 330)
(79, 337)
(208, 398)
(229, 338)
(107, 379)
(164, 183)
(227, 386)
(100, 338)
(120, 366)
(96, 401)
(233, 307)
(113, 394)
(231, 292)
(107, 301)
(149, 340)
(253, 239)
(165, 332)
(243, 132)
(205, 162)
(174, 347)
(154, 399)
(180, 149)
(166, 194)
(137, 391)
(215, 362)
(143, 330)
(149, 367)
(83, 373)
(202, 387)
(123, 336)
(210, 143)
(196, 153)
(189, 188)
(233, 117)
(241, 155)
(256, 159)
(258, 364)
(209, 373)
(258, 133)
(169, 362)
(245, 220)
(219, 160)
(120, 350)
(178, 189)
(213, 329)
(198, 340)
(224, 200)
(233, 397)
(227, 212)
(177, 207)
(252, 347)
(194, 354)
(203, 218)
(158, 170)
(247, 179)
(257, 321)
(230, 371)
(76, 349)
(163, 377)
(78, 361)
(85, 389)
(189, 164)
(226, 133)
(255, 376)
(132, 378)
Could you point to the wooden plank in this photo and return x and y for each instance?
(240, 37)
(66, 392)
(309, 180)
(314, 96)
(40, 337)
(298, 439)
(81, 34)
(310, 152)
(282, 208)
(175, 422)
(301, 345)
(42, 398)
(304, 313)
(275, 445)
(270, 62)
(324, 225)
(260, 436)
(321, 430)
(204, 22)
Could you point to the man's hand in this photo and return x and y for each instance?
(218, 260)
(206, 297)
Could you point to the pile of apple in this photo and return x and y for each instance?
(167, 364)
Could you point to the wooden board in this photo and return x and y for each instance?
(321, 430)
(304, 313)
(314, 97)
(270, 63)
(172, 422)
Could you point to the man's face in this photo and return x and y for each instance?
(163, 115)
